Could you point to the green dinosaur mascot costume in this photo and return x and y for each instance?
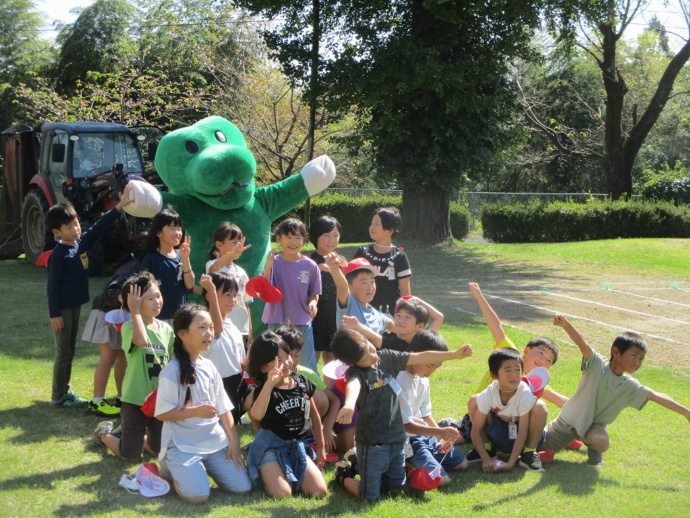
(210, 174)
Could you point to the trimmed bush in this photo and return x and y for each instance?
(538, 222)
(354, 214)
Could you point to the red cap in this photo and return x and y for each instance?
(260, 287)
(360, 264)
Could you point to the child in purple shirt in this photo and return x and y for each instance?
(299, 279)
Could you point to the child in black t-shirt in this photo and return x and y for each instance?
(380, 432)
(285, 409)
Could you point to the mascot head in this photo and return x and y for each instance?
(208, 161)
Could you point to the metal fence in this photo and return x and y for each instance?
(361, 193)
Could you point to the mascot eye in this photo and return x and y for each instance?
(191, 147)
(221, 136)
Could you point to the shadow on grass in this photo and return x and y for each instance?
(573, 479)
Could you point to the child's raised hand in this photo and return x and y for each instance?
(334, 259)
(134, 299)
(126, 198)
(349, 322)
(463, 352)
(207, 282)
(276, 374)
(560, 321)
(474, 288)
(185, 247)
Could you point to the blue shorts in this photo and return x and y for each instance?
(425, 453)
(499, 434)
(380, 466)
(191, 471)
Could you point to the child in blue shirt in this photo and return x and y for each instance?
(68, 288)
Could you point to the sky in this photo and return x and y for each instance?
(60, 10)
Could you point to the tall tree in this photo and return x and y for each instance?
(98, 41)
(22, 52)
(626, 126)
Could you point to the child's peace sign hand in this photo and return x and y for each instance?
(185, 247)
(275, 374)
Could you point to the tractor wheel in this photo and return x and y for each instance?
(36, 237)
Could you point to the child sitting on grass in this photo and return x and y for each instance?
(605, 389)
(538, 352)
(380, 433)
(432, 446)
(327, 403)
(502, 419)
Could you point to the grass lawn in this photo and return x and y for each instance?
(51, 465)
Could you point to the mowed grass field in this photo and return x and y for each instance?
(51, 465)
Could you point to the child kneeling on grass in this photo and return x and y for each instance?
(380, 433)
(603, 392)
(502, 420)
(146, 342)
(199, 436)
(283, 405)
(415, 404)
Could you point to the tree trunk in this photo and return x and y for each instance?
(426, 214)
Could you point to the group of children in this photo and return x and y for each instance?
(207, 368)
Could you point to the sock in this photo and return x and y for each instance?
(528, 450)
(96, 400)
(487, 446)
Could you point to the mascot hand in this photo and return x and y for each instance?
(146, 200)
(318, 174)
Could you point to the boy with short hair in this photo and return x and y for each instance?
(68, 288)
(605, 389)
(356, 285)
(538, 352)
(431, 446)
(502, 419)
(380, 433)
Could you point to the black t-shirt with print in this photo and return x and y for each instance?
(287, 414)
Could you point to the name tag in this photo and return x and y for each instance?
(512, 430)
(393, 384)
(304, 276)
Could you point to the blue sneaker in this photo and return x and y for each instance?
(71, 399)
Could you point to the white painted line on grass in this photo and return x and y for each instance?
(652, 298)
(662, 338)
(616, 308)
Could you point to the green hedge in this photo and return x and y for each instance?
(354, 214)
(566, 221)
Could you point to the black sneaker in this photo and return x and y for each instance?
(595, 459)
(531, 461)
(343, 470)
(118, 402)
(351, 457)
(473, 456)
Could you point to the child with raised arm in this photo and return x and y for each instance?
(393, 271)
(380, 433)
(502, 419)
(605, 389)
(285, 408)
(227, 352)
(228, 245)
(356, 285)
(538, 352)
(431, 445)
(324, 233)
(146, 342)
(167, 258)
(199, 436)
(299, 279)
(68, 288)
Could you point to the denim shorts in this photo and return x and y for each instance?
(380, 466)
(425, 453)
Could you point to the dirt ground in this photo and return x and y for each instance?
(657, 308)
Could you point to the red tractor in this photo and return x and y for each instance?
(85, 163)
